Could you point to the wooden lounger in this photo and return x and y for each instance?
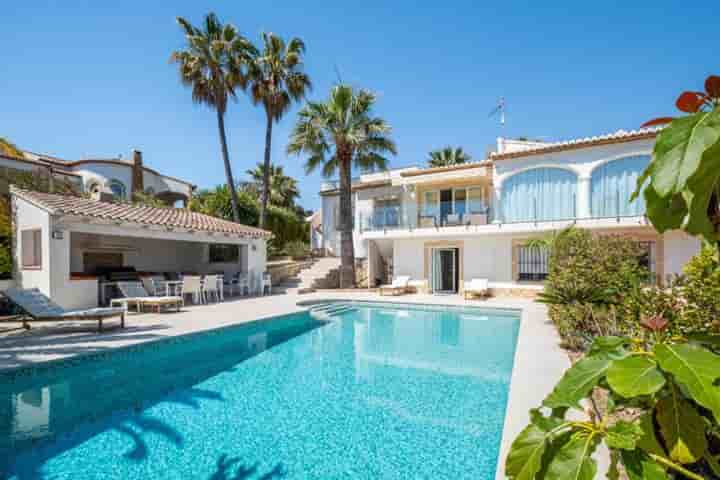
(39, 308)
(136, 294)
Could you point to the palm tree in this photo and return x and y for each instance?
(283, 189)
(214, 65)
(276, 81)
(8, 148)
(338, 134)
(447, 156)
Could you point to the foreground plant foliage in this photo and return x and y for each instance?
(660, 421)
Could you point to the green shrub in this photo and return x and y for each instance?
(297, 249)
(589, 276)
(700, 287)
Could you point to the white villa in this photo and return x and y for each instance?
(72, 248)
(444, 226)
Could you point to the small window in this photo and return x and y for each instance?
(221, 253)
(118, 189)
(31, 244)
(533, 264)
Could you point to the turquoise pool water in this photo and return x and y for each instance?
(373, 391)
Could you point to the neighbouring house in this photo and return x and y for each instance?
(110, 177)
(443, 226)
(64, 245)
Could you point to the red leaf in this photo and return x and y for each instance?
(690, 102)
(657, 121)
(656, 323)
(712, 86)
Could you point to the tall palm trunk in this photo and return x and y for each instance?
(347, 250)
(266, 173)
(228, 170)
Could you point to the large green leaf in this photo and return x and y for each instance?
(679, 148)
(573, 461)
(525, 457)
(682, 428)
(665, 213)
(634, 376)
(623, 435)
(640, 467)
(699, 191)
(577, 382)
(695, 368)
(649, 442)
(609, 347)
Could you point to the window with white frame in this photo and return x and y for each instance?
(532, 263)
(31, 248)
(118, 189)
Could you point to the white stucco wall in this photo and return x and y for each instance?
(27, 217)
(483, 257)
(679, 248)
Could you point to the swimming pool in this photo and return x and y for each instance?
(347, 391)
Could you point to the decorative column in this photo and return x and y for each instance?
(496, 204)
(582, 202)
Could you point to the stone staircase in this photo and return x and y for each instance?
(322, 274)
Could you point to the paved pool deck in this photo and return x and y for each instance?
(539, 360)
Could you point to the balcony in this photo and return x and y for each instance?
(391, 218)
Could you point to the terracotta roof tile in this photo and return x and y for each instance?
(610, 138)
(127, 212)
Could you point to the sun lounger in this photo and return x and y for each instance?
(398, 286)
(477, 287)
(135, 293)
(39, 307)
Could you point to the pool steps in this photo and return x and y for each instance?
(330, 310)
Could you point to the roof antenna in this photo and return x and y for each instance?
(337, 73)
(499, 110)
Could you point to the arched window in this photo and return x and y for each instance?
(93, 187)
(539, 194)
(118, 189)
(613, 183)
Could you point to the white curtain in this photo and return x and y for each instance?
(612, 185)
(539, 194)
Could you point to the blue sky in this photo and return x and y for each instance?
(91, 79)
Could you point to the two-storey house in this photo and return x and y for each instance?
(444, 226)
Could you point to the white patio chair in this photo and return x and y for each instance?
(210, 288)
(266, 283)
(192, 285)
(243, 283)
(155, 285)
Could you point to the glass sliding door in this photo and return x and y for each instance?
(443, 275)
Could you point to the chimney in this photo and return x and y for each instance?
(137, 172)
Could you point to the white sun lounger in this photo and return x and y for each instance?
(477, 287)
(398, 286)
(40, 308)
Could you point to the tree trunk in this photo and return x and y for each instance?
(266, 173)
(228, 170)
(347, 249)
